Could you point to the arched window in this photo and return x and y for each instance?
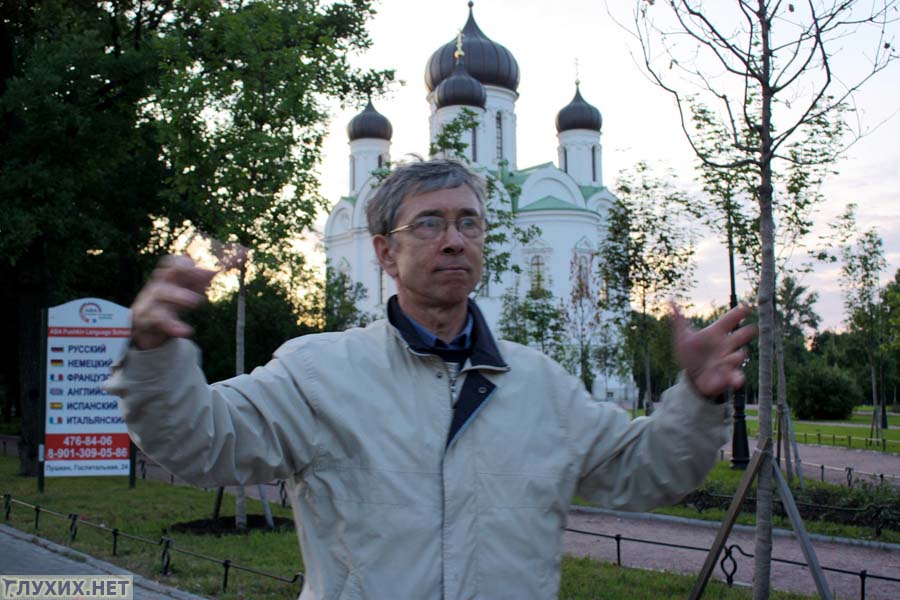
(474, 144)
(565, 160)
(382, 286)
(380, 161)
(352, 172)
(499, 125)
(593, 163)
(537, 272)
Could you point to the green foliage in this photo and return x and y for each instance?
(342, 299)
(820, 391)
(534, 319)
(271, 321)
(647, 252)
(647, 335)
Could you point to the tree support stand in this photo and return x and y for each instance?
(731, 516)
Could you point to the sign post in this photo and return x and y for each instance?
(84, 432)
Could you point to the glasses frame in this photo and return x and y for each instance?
(411, 226)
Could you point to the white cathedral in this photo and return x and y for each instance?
(567, 201)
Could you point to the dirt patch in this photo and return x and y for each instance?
(226, 526)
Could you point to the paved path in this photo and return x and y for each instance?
(25, 554)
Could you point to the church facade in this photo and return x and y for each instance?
(567, 200)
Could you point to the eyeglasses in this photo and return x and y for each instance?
(432, 227)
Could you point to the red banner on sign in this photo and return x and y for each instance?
(105, 332)
(86, 446)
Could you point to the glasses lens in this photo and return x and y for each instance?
(471, 227)
(428, 228)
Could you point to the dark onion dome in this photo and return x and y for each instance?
(369, 124)
(486, 60)
(578, 114)
(460, 89)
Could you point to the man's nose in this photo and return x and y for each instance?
(452, 241)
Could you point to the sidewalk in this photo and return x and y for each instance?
(25, 554)
(658, 528)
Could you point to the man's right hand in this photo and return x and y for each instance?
(175, 286)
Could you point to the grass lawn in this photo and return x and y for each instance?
(856, 419)
(851, 435)
(152, 507)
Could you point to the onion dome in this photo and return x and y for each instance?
(460, 89)
(486, 60)
(369, 124)
(578, 114)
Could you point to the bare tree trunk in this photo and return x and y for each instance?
(240, 499)
(240, 509)
(876, 412)
(762, 562)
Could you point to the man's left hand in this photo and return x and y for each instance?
(713, 357)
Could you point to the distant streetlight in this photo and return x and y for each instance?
(740, 451)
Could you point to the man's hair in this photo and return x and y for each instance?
(419, 177)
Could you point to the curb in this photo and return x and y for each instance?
(888, 546)
(101, 565)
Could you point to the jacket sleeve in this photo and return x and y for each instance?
(250, 429)
(651, 461)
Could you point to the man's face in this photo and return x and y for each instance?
(438, 272)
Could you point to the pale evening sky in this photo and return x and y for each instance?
(639, 120)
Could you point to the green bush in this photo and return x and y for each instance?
(819, 391)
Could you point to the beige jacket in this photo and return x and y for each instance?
(357, 423)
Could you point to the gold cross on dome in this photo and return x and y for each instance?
(459, 50)
(577, 77)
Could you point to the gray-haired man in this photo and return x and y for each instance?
(427, 459)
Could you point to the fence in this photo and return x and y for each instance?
(851, 474)
(824, 439)
(729, 565)
(166, 543)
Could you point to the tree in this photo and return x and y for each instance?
(534, 319)
(646, 254)
(862, 261)
(768, 69)
(593, 343)
(242, 118)
(79, 170)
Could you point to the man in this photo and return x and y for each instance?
(427, 459)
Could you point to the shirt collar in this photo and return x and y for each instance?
(483, 349)
(462, 341)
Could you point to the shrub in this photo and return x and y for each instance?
(819, 391)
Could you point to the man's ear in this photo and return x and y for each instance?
(384, 252)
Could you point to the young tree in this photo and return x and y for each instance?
(646, 254)
(862, 261)
(534, 319)
(589, 325)
(768, 70)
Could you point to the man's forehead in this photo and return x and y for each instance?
(458, 199)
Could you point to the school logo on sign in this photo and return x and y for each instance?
(90, 312)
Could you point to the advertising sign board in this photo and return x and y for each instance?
(85, 434)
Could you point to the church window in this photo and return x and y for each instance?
(352, 172)
(537, 272)
(593, 163)
(565, 160)
(380, 160)
(382, 286)
(474, 145)
(499, 136)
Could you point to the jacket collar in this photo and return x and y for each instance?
(484, 352)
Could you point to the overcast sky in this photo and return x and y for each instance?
(639, 120)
